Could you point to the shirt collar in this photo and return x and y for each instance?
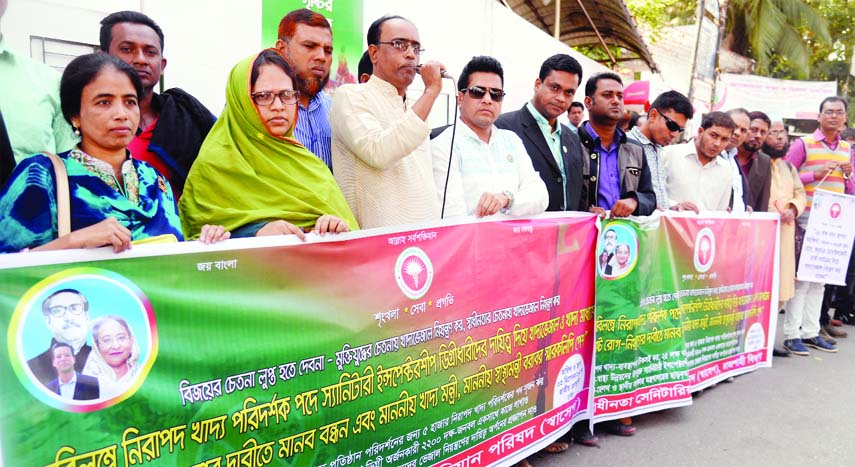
(73, 380)
(315, 101)
(819, 136)
(386, 88)
(636, 133)
(470, 133)
(618, 135)
(718, 160)
(541, 120)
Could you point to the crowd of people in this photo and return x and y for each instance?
(286, 158)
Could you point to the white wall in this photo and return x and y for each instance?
(205, 38)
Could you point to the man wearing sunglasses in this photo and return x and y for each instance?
(66, 314)
(755, 165)
(665, 123)
(616, 175)
(489, 170)
(554, 149)
(380, 145)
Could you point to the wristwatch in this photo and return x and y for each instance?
(510, 196)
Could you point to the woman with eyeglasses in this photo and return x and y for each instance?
(251, 175)
(115, 357)
(113, 199)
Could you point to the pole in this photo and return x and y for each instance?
(558, 20)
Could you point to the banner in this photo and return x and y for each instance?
(345, 17)
(682, 303)
(455, 345)
(752, 92)
(828, 239)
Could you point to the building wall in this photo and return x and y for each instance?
(205, 38)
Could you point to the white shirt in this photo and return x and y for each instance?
(381, 156)
(738, 202)
(707, 186)
(478, 167)
(66, 390)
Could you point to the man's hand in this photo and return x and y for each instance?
(788, 215)
(491, 203)
(330, 224)
(846, 167)
(624, 207)
(280, 227)
(686, 206)
(432, 74)
(600, 212)
(829, 167)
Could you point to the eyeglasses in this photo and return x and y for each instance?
(478, 92)
(831, 113)
(60, 310)
(403, 46)
(107, 341)
(777, 132)
(672, 125)
(287, 97)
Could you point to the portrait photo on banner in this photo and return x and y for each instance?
(83, 339)
(617, 251)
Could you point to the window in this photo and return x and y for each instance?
(56, 53)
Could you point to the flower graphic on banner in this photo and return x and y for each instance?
(414, 268)
(704, 250)
(414, 272)
(835, 211)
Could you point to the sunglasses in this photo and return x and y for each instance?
(477, 92)
(672, 125)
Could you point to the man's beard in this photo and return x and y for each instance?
(774, 153)
(311, 86)
(750, 148)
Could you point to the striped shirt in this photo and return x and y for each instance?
(809, 154)
(657, 170)
(313, 127)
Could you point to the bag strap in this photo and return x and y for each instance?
(63, 208)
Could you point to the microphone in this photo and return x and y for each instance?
(444, 73)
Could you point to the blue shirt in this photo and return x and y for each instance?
(313, 127)
(609, 178)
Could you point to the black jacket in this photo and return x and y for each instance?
(181, 128)
(524, 125)
(85, 389)
(7, 157)
(635, 181)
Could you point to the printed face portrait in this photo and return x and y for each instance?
(553, 95)
(114, 342)
(609, 241)
(480, 112)
(277, 116)
(63, 359)
(622, 254)
(67, 317)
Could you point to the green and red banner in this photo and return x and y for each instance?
(683, 302)
(449, 345)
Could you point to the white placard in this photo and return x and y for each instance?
(828, 240)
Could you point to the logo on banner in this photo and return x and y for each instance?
(704, 250)
(835, 210)
(414, 272)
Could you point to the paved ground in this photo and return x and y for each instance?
(800, 412)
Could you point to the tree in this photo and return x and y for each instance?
(764, 29)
